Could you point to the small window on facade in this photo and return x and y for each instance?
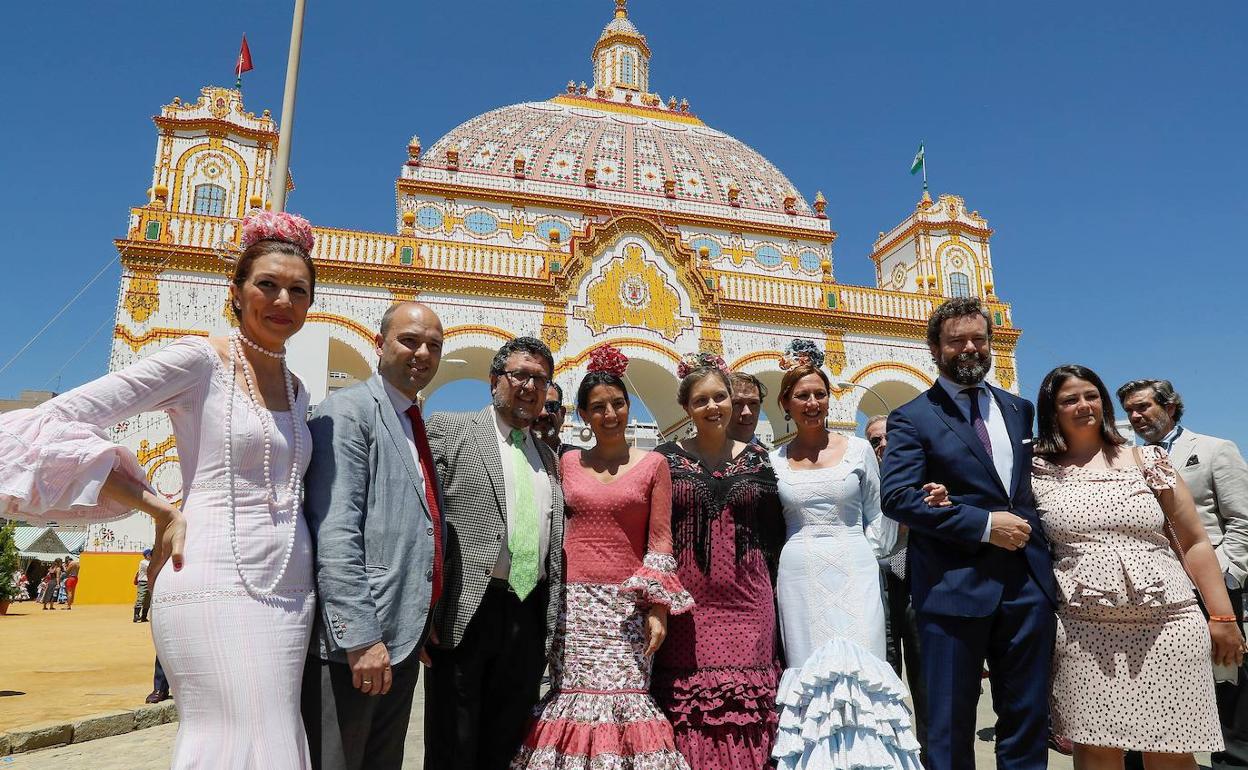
(210, 200)
(959, 285)
(627, 69)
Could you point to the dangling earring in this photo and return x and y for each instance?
(786, 417)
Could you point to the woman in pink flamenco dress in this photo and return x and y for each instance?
(621, 585)
(716, 676)
(231, 619)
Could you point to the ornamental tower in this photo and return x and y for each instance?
(621, 58)
(212, 156)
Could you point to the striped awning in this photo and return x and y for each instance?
(48, 543)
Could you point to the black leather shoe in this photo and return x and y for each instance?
(156, 696)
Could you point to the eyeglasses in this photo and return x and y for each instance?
(521, 379)
(553, 407)
(876, 440)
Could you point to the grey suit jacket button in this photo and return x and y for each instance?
(429, 574)
(429, 531)
(485, 572)
(338, 634)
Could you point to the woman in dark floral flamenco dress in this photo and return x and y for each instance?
(621, 585)
(716, 675)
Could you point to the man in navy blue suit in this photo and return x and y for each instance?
(980, 576)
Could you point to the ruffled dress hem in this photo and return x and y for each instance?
(616, 731)
(844, 709)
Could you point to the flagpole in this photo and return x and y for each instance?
(277, 183)
(925, 167)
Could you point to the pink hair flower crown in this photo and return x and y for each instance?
(277, 226)
(700, 360)
(801, 352)
(609, 359)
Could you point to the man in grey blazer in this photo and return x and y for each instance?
(504, 567)
(1217, 476)
(374, 508)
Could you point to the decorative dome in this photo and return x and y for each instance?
(615, 137)
(630, 150)
(620, 25)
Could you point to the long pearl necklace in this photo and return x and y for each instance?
(294, 484)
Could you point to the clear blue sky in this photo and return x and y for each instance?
(1103, 141)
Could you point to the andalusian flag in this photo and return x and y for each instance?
(919, 162)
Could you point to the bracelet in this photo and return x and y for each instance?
(1222, 619)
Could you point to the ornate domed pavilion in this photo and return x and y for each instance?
(606, 214)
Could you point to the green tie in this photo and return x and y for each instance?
(522, 540)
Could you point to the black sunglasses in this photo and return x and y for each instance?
(876, 440)
(553, 406)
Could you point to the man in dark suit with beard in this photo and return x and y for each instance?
(980, 576)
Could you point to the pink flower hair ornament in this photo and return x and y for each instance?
(700, 360)
(609, 359)
(277, 226)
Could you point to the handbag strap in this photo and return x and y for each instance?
(1171, 534)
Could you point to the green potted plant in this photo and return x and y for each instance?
(10, 562)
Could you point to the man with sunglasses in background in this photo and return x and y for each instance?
(503, 586)
(549, 424)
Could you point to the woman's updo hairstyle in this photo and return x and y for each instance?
(694, 368)
(606, 367)
(274, 232)
(802, 358)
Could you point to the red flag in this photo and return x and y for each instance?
(244, 61)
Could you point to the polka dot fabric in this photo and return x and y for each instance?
(1131, 664)
(716, 674)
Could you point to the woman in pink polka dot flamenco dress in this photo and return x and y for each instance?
(716, 675)
(621, 587)
(1132, 660)
(232, 613)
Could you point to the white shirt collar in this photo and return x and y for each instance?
(955, 389)
(504, 430)
(398, 400)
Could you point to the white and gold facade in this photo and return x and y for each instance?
(604, 215)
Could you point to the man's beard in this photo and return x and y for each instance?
(517, 412)
(1151, 431)
(966, 368)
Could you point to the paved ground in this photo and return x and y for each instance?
(63, 665)
(150, 750)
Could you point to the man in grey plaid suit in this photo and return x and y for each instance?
(504, 567)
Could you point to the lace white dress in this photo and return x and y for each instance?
(841, 705)
(233, 657)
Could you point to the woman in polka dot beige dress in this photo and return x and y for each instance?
(1131, 664)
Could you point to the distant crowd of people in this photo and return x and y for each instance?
(57, 585)
(714, 603)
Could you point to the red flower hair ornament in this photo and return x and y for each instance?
(277, 226)
(606, 358)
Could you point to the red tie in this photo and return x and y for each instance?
(431, 497)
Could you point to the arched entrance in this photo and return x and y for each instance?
(345, 366)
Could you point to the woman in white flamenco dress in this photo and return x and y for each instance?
(842, 707)
(231, 616)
